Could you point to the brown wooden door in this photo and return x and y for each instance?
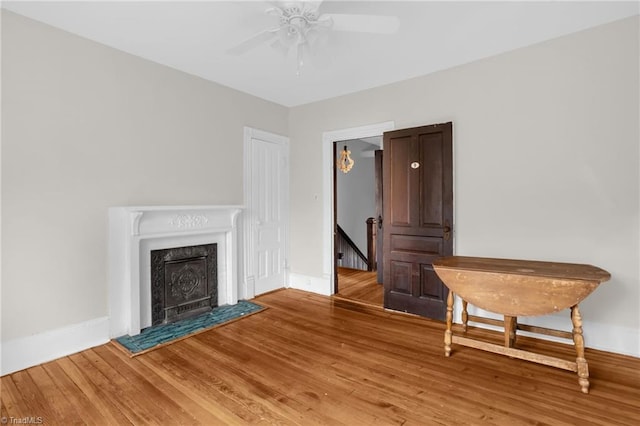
(418, 217)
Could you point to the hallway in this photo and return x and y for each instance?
(360, 286)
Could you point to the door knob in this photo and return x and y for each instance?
(379, 222)
(446, 232)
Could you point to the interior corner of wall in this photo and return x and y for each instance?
(311, 284)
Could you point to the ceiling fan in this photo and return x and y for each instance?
(300, 25)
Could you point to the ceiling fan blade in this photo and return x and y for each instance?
(377, 24)
(255, 41)
(274, 11)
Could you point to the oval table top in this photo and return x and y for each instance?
(518, 287)
(557, 270)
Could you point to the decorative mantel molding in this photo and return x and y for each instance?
(189, 221)
(135, 231)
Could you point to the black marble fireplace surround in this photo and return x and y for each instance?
(184, 282)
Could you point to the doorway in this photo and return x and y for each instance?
(356, 231)
(329, 270)
(422, 286)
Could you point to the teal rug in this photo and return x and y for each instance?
(161, 335)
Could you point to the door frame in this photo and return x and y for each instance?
(328, 218)
(247, 280)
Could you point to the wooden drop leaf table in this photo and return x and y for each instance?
(514, 288)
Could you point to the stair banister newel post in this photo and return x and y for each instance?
(372, 231)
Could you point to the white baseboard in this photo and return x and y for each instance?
(312, 284)
(620, 340)
(24, 352)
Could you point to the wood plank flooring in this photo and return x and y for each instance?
(310, 359)
(361, 286)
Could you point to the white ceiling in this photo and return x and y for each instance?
(194, 37)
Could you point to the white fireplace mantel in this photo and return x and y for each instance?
(135, 231)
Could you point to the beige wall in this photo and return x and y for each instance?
(87, 127)
(546, 159)
(546, 143)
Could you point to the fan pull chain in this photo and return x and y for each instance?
(300, 60)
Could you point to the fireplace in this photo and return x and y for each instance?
(136, 232)
(184, 282)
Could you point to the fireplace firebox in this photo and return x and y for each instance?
(183, 282)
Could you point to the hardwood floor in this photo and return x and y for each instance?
(311, 359)
(361, 286)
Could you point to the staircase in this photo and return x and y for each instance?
(349, 255)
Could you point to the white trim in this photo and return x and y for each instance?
(611, 338)
(135, 231)
(328, 138)
(312, 284)
(25, 352)
(247, 280)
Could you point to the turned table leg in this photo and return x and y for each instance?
(465, 316)
(448, 334)
(509, 331)
(578, 340)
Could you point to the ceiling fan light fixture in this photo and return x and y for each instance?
(298, 27)
(301, 26)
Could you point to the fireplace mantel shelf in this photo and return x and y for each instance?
(136, 230)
